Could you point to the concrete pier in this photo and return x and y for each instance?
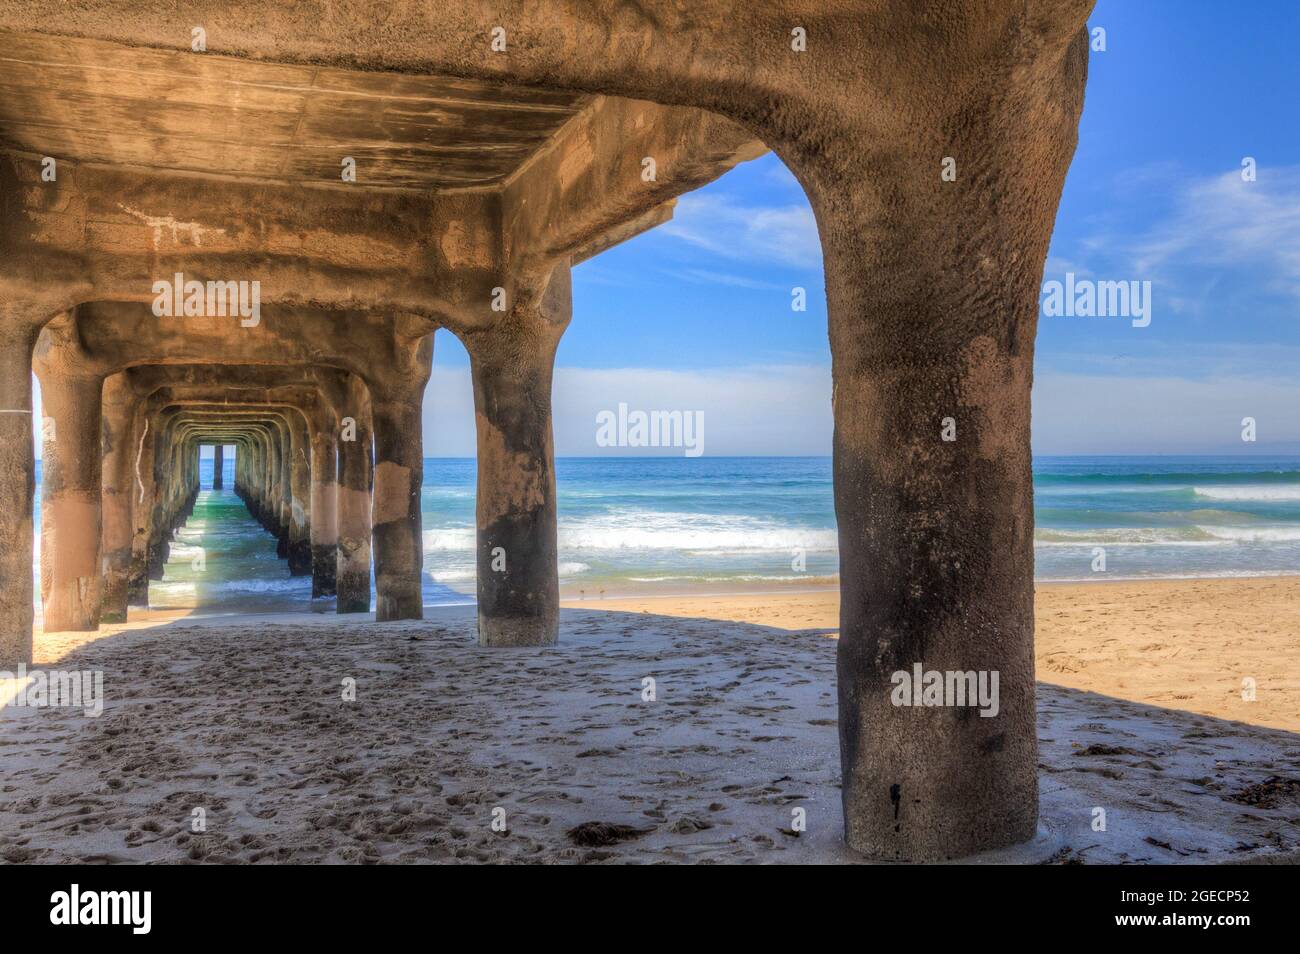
(391, 180)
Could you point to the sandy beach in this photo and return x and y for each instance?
(244, 718)
(1181, 644)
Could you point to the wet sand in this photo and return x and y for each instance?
(245, 718)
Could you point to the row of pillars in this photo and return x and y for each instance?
(333, 470)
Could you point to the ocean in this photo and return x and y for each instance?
(666, 525)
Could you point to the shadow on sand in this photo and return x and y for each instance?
(299, 737)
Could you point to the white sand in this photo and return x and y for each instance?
(243, 718)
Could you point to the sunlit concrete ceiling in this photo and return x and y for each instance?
(94, 101)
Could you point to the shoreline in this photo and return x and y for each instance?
(702, 591)
(263, 606)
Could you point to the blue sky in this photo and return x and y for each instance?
(696, 314)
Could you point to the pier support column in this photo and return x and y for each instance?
(70, 500)
(142, 501)
(17, 489)
(354, 489)
(218, 465)
(300, 490)
(399, 472)
(932, 288)
(324, 508)
(115, 497)
(156, 526)
(512, 363)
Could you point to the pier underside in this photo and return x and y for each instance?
(241, 225)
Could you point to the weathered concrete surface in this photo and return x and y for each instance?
(71, 457)
(71, 461)
(396, 530)
(355, 474)
(293, 123)
(119, 452)
(517, 556)
(144, 492)
(931, 284)
(218, 466)
(17, 487)
(932, 292)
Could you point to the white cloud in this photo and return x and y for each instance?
(782, 235)
(761, 410)
(786, 409)
(1225, 221)
(1111, 414)
(708, 276)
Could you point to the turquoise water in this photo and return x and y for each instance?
(1167, 516)
(726, 524)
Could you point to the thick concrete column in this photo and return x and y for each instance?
(932, 290)
(70, 500)
(116, 497)
(511, 362)
(156, 549)
(269, 503)
(17, 490)
(218, 465)
(396, 399)
(284, 485)
(324, 507)
(260, 468)
(143, 493)
(168, 497)
(354, 487)
(300, 485)
(276, 482)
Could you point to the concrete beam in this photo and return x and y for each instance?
(612, 171)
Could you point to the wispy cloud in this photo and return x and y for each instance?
(782, 235)
(1223, 221)
(708, 276)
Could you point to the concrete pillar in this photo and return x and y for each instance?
(511, 362)
(156, 555)
(17, 490)
(354, 487)
(932, 291)
(276, 483)
(284, 485)
(115, 497)
(399, 472)
(70, 500)
(300, 481)
(218, 466)
(260, 465)
(269, 504)
(324, 507)
(168, 463)
(143, 491)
